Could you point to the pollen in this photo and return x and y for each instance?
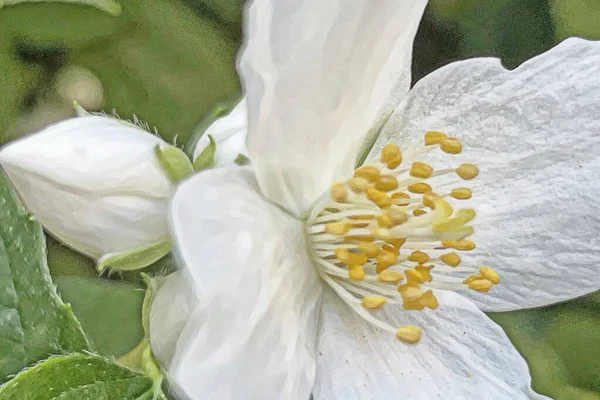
(409, 334)
(384, 238)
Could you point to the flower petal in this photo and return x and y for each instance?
(317, 75)
(462, 355)
(171, 309)
(535, 134)
(229, 133)
(254, 334)
(94, 182)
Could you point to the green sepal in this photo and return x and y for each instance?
(78, 376)
(135, 259)
(174, 161)
(206, 159)
(241, 160)
(111, 7)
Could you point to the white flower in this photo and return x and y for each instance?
(94, 182)
(286, 281)
(229, 134)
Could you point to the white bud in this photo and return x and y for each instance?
(229, 133)
(93, 182)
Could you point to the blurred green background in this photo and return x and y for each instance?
(170, 61)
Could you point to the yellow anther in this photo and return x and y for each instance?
(418, 212)
(409, 334)
(434, 137)
(367, 172)
(356, 273)
(429, 300)
(480, 285)
(349, 258)
(397, 215)
(410, 291)
(384, 221)
(342, 254)
(418, 256)
(412, 305)
(386, 183)
(490, 274)
(396, 242)
(369, 248)
(400, 198)
(383, 234)
(461, 193)
(472, 278)
(373, 302)
(338, 192)
(463, 244)
(429, 199)
(421, 170)
(465, 215)
(390, 248)
(338, 228)
(414, 276)
(358, 238)
(467, 171)
(443, 207)
(359, 185)
(378, 197)
(388, 276)
(425, 271)
(385, 259)
(390, 155)
(361, 217)
(451, 146)
(452, 259)
(419, 188)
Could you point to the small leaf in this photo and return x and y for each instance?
(206, 159)
(175, 162)
(241, 160)
(136, 259)
(34, 322)
(109, 6)
(77, 376)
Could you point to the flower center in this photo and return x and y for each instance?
(384, 235)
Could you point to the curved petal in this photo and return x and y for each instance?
(229, 133)
(254, 334)
(94, 182)
(171, 309)
(535, 134)
(462, 355)
(317, 75)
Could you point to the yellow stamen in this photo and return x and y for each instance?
(472, 278)
(378, 197)
(418, 212)
(338, 228)
(385, 259)
(434, 137)
(421, 170)
(412, 305)
(409, 334)
(356, 273)
(480, 285)
(451, 146)
(373, 302)
(396, 242)
(429, 199)
(367, 172)
(397, 215)
(388, 276)
(461, 193)
(410, 291)
(463, 244)
(414, 276)
(390, 248)
(338, 192)
(400, 198)
(384, 221)
(443, 207)
(386, 183)
(467, 171)
(429, 300)
(370, 249)
(349, 258)
(391, 156)
(419, 188)
(451, 259)
(418, 256)
(490, 274)
(424, 270)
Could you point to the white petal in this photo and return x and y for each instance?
(93, 182)
(462, 355)
(229, 133)
(170, 311)
(317, 74)
(535, 134)
(254, 335)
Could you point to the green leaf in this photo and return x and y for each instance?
(136, 259)
(76, 377)
(206, 159)
(109, 311)
(576, 18)
(175, 162)
(34, 322)
(109, 6)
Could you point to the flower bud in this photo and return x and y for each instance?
(97, 185)
(229, 134)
